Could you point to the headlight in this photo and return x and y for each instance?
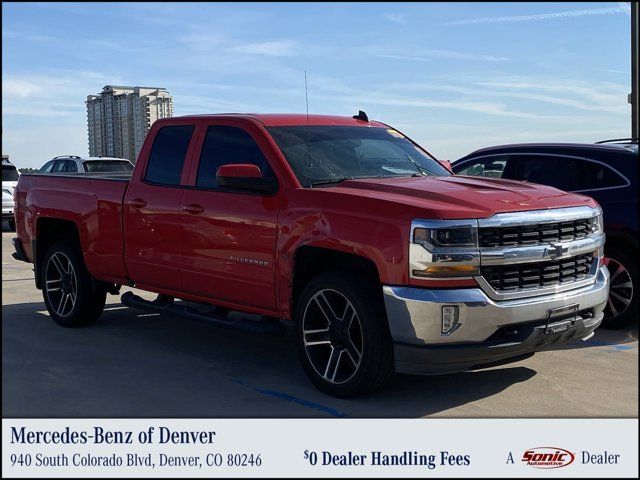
(432, 238)
(444, 249)
(597, 225)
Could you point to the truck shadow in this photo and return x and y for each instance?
(136, 364)
(615, 339)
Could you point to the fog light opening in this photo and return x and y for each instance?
(449, 319)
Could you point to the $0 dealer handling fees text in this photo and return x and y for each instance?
(378, 458)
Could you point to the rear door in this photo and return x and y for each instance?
(562, 172)
(229, 236)
(152, 208)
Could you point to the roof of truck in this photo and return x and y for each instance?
(290, 119)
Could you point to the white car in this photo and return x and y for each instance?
(7, 209)
(10, 177)
(74, 164)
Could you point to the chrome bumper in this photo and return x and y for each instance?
(415, 314)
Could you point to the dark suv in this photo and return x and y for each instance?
(606, 171)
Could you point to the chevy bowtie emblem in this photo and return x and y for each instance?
(555, 251)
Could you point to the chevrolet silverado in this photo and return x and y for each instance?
(382, 258)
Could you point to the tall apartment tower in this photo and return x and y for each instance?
(119, 118)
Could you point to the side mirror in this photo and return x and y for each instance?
(446, 164)
(245, 176)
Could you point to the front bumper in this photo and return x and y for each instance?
(488, 331)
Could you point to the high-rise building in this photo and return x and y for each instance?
(119, 118)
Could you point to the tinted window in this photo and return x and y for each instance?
(58, 167)
(71, 166)
(9, 173)
(565, 173)
(168, 153)
(492, 167)
(107, 166)
(597, 175)
(224, 145)
(46, 168)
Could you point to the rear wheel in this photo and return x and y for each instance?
(622, 305)
(71, 295)
(343, 338)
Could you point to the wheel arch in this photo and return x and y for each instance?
(310, 261)
(48, 232)
(621, 239)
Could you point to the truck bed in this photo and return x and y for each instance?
(92, 201)
(121, 176)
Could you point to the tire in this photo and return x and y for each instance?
(12, 225)
(71, 295)
(343, 335)
(622, 307)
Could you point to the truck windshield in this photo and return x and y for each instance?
(330, 154)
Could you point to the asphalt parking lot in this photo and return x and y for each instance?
(137, 364)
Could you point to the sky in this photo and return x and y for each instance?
(453, 76)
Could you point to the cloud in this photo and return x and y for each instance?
(31, 37)
(274, 49)
(59, 93)
(613, 70)
(195, 104)
(621, 8)
(625, 6)
(604, 97)
(19, 88)
(488, 108)
(26, 147)
(426, 55)
(398, 18)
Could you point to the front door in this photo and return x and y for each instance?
(229, 236)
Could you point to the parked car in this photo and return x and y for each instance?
(608, 172)
(383, 259)
(75, 164)
(10, 177)
(7, 209)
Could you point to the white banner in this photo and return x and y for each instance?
(319, 448)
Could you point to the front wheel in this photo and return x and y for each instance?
(622, 305)
(343, 338)
(71, 295)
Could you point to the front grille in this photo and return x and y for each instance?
(534, 234)
(515, 277)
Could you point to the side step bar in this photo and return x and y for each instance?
(165, 304)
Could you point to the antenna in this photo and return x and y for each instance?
(361, 116)
(306, 98)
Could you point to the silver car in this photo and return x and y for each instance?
(10, 177)
(7, 209)
(75, 164)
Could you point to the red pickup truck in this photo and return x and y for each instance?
(383, 259)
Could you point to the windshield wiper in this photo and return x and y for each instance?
(333, 180)
(423, 171)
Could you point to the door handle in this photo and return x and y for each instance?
(193, 208)
(138, 203)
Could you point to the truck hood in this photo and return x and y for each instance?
(456, 196)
